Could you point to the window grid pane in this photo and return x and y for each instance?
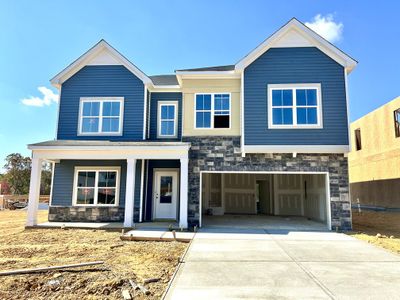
(96, 187)
(284, 107)
(101, 116)
(167, 120)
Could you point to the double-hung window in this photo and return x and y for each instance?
(101, 116)
(294, 106)
(212, 111)
(167, 119)
(96, 186)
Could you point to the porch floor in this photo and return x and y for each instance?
(262, 222)
(145, 226)
(79, 225)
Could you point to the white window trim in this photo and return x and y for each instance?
(97, 170)
(212, 111)
(293, 87)
(101, 100)
(167, 103)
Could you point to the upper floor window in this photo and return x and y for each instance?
(294, 106)
(167, 119)
(397, 122)
(101, 116)
(212, 111)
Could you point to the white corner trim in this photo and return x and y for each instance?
(242, 113)
(296, 148)
(347, 108)
(145, 113)
(100, 48)
(58, 112)
(294, 87)
(315, 39)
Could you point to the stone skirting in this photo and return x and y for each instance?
(223, 154)
(86, 214)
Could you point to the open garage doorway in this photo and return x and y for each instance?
(296, 201)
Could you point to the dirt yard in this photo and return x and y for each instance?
(379, 228)
(31, 248)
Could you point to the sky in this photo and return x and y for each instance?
(38, 39)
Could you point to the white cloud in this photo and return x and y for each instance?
(326, 27)
(48, 97)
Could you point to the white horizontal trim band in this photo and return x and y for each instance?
(296, 148)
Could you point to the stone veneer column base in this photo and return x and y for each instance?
(86, 214)
(216, 153)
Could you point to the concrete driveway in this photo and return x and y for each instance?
(261, 264)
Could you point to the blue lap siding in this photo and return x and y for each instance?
(64, 181)
(295, 65)
(155, 99)
(102, 81)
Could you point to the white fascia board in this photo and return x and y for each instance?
(296, 148)
(336, 54)
(165, 88)
(111, 154)
(113, 148)
(84, 59)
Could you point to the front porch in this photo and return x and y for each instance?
(110, 185)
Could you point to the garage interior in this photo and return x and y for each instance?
(264, 200)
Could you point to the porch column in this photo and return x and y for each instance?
(183, 210)
(34, 191)
(130, 192)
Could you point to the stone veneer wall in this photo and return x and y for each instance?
(215, 153)
(86, 214)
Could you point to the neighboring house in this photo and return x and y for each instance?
(374, 162)
(268, 135)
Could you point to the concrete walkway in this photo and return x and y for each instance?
(261, 264)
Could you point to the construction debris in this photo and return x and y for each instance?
(150, 280)
(36, 270)
(136, 286)
(126, 295)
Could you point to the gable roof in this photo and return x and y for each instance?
(101, 53)
(164, 80)
(216, 68)
(301, 36)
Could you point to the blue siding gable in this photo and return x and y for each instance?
(295, 65)
(164, 96)
(102, 81)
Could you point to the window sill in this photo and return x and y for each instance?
(100, 134)
(295, 127)
(95, 205)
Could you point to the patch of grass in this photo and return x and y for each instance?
(379, 228)
(20, 248)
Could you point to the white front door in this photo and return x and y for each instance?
(165, 194)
